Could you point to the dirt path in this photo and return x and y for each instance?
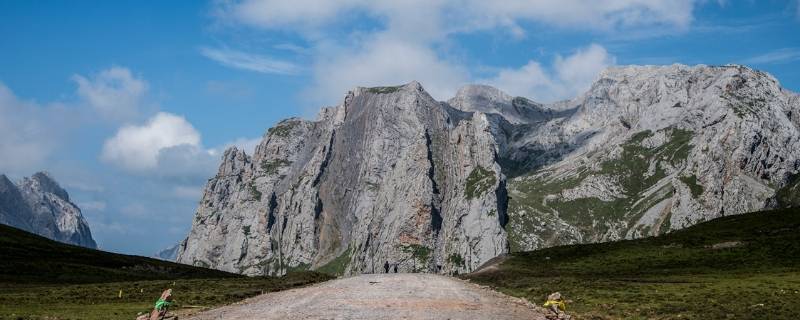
(380, 296)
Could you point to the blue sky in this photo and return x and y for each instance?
(129, 104)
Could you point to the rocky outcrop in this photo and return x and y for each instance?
(390, 176)
(39, 205)
(652, 149)
(393, 176)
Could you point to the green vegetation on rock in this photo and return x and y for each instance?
(283, 129)
(736, 267)
(271, 166)
(419, 252)
(479, 182)
(636, 169)
(254, 191)
(789, 195)
(695, 188)
(299, 268)
(338, 265)
(456, 260)
(381, 90)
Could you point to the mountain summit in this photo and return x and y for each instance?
(392, 177)
(38, 204)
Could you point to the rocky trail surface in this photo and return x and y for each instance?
(380, 296)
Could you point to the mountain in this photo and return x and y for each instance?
(38, 204)
(390, 176)
(649, 150)
(168, 254)
(393, 176)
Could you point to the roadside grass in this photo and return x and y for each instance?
(45, 279)
(102, 301)
(737, 267)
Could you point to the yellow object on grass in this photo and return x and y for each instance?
(560, 304)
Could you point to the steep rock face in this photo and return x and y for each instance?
(391, 175)
(38, 204)
(653, 149)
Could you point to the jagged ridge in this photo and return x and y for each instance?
(393, 176)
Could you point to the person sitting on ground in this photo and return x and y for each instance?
(161, 307)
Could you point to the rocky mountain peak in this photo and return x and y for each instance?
(43, 182)
(392, 177)
(482, 94)
(38, 204)
(5, 183)
(385, 177)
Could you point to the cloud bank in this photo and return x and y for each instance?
(114, 93)
(410, 40)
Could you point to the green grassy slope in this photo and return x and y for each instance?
(31, 258)
(45, 279)
(737, 267)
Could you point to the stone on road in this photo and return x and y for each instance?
(380, 296)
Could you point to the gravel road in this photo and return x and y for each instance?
(380, 296)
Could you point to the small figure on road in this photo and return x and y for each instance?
(395, 268)
(386, 267)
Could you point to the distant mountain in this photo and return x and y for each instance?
(392, 175)
(169, 254)
(39, 205)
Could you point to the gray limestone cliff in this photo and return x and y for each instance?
(393, 176)
(39, 205)
(390, 176)
(652, 149)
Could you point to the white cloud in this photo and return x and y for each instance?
(383, 61)
(577, 72)
(462, 15)
(570, 75)
(138, 147)
(188, 192)
(168, 146)
(249, 61)
(411, 39)
(30, 133)
(246, 144)
(777, 56)
(186, 161)
(797, 9)
(606, 15)
(115, 93)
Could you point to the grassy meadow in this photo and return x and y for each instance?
(44, 279)
(737, 267)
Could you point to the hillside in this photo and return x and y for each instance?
(31, 258)
(743, 267)
(45, 279)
